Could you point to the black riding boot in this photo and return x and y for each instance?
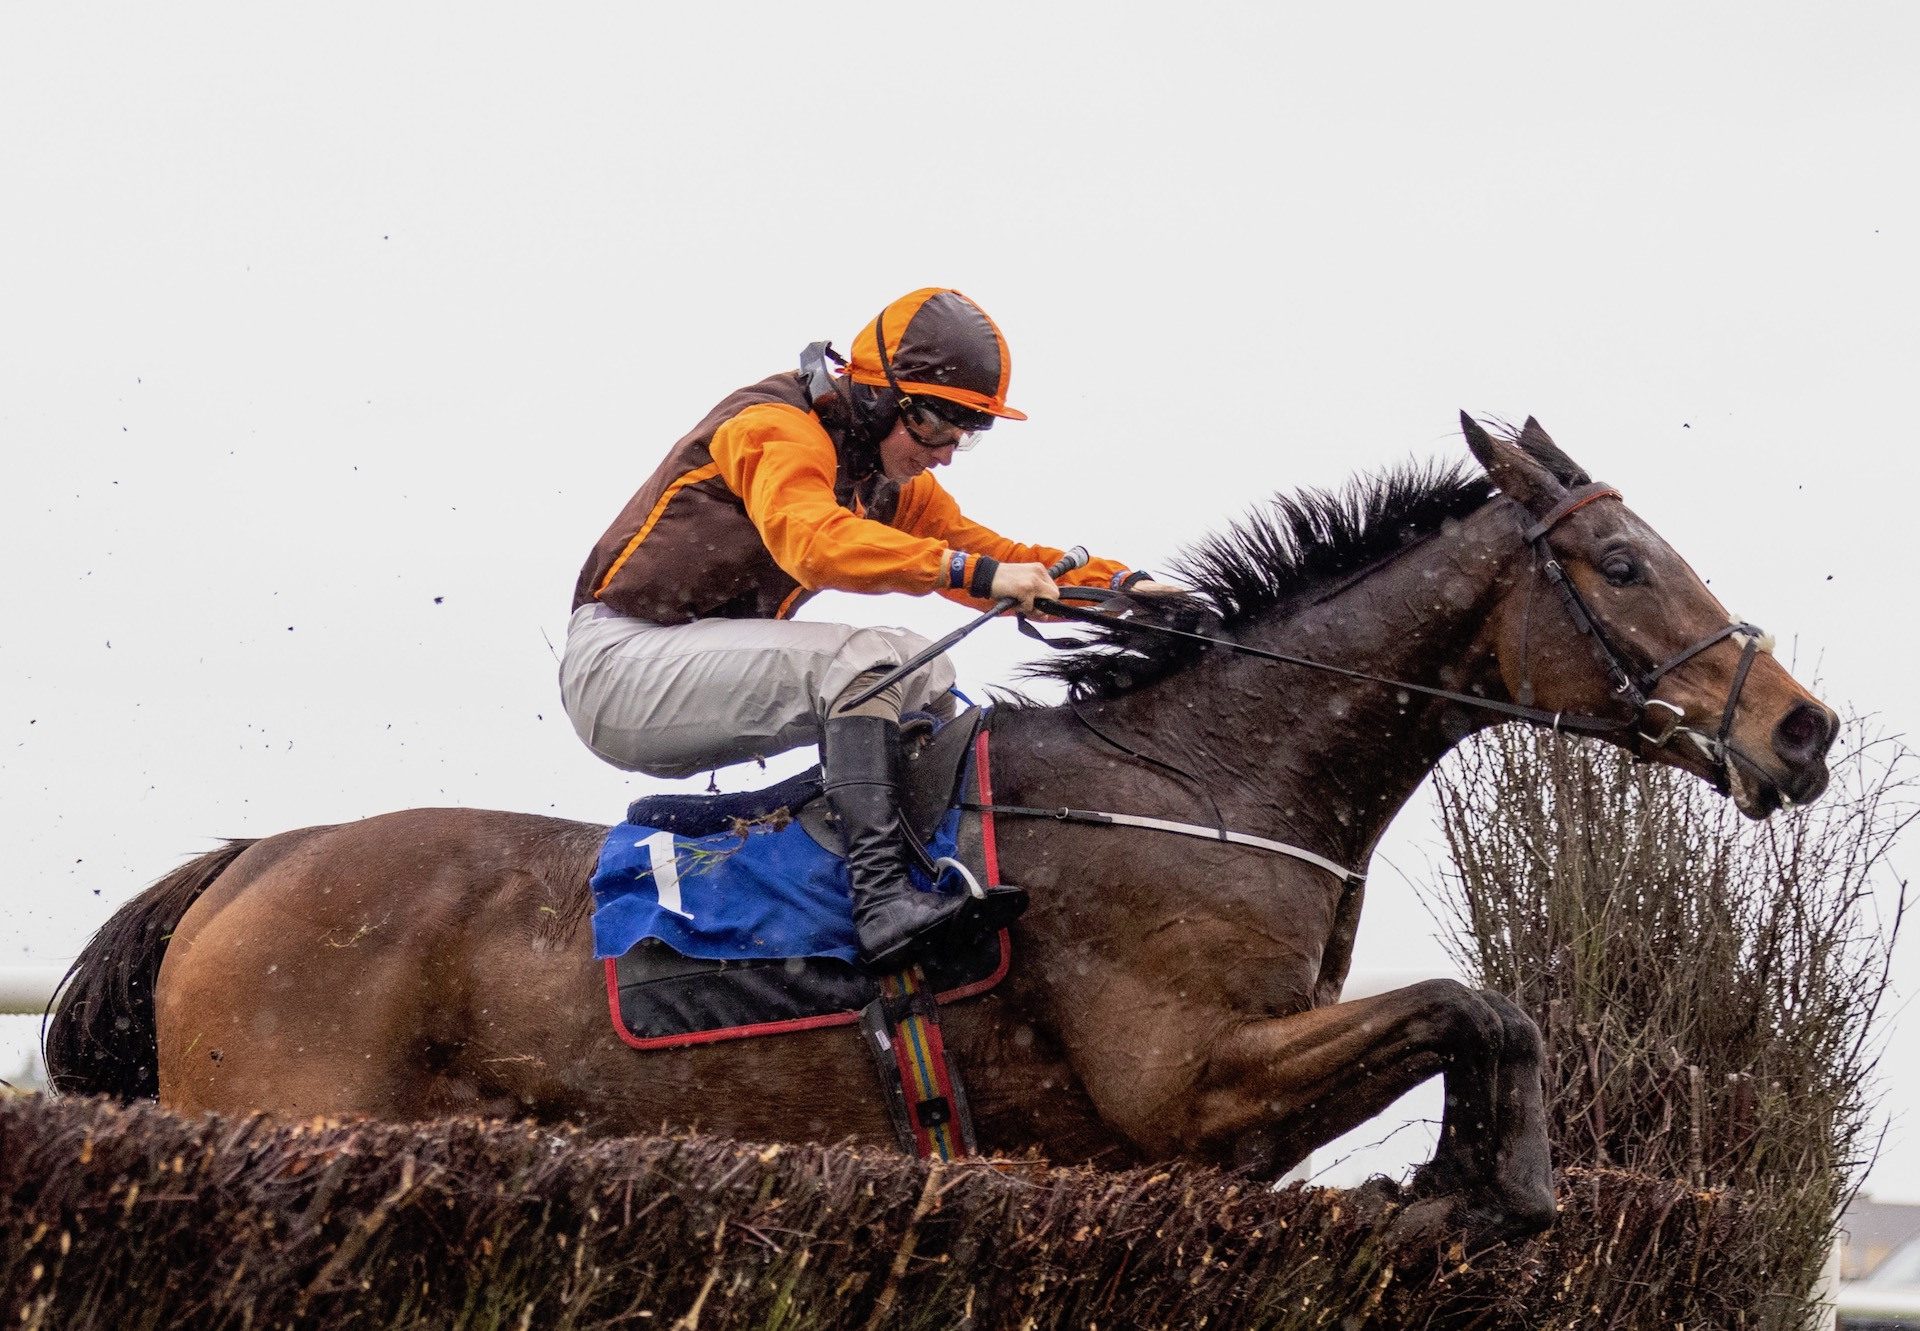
(896, 922)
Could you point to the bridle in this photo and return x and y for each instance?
(1633, 689)
(1654, 722)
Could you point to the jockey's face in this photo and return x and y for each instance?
(902, 457)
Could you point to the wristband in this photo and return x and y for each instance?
(956, 569)
(981, 584)
(1124, 581)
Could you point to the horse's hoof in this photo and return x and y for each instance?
(1485, 1225)
(1522, 1218)
(1375, 1198)
(1437, 1180)
(1423, 1224)
(1476, 1226)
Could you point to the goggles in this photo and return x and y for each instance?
(936, 427)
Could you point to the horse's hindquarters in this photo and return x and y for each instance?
(440, 962)
(331, 970)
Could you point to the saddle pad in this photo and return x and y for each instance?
(758, 891)
(661, 1000)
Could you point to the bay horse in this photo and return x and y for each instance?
(1171, 998)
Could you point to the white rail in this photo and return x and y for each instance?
(26, 990)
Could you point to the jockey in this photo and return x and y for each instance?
(682, 654)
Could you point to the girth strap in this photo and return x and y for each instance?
(926, 1101)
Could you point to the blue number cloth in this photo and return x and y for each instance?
(759, 893)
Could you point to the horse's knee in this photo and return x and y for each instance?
(1519, 1035)
(1459, 1019)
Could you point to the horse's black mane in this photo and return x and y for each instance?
(1297, 546)
(1276, 559)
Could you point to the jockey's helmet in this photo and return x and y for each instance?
(937, 344)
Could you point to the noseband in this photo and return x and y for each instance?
(1655, 722)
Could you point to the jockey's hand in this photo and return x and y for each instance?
(1154, 587)
(1025, 583)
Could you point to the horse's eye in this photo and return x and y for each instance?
(1620, 568)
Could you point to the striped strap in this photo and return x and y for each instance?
(924, 1094)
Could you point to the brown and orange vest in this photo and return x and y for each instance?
(749, 515)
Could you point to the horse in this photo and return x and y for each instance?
(1172, 998)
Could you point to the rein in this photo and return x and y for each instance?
(1655, 730)
(1576, 723)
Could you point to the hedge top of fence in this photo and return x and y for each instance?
(133, 1217)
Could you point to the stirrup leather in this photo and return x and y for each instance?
(895, 921)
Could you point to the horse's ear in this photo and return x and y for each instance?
(1512, 468)
(1539, 446)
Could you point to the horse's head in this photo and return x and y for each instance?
(1610, 622)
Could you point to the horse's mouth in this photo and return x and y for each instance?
(1753, 796)
(1756, 790)
(1758, 796)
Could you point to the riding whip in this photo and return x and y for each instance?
(1068, 562)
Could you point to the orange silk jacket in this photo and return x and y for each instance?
(749, 515)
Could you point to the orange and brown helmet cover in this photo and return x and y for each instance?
(940, 344)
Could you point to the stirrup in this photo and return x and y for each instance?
(945, 865)
(958, 919)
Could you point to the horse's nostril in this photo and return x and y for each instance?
(1803, 733)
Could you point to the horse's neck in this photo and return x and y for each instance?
(1325, 760)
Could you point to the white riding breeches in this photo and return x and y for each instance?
(671, 700)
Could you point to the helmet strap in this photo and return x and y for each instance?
(886, 361)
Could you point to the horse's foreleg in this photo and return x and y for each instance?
(1276, 1089)
(1493, 1130)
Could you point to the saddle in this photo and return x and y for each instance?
(932, 755)
(726, 916)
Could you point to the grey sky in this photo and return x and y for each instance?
(330, 339)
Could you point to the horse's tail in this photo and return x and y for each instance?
(99, 1038)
